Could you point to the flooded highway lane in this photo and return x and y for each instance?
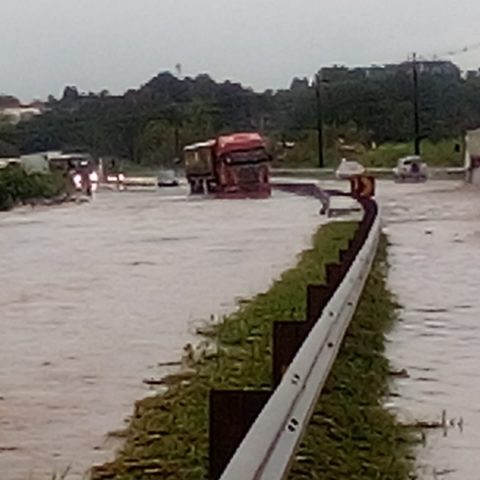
(435, 233)
(93, 296)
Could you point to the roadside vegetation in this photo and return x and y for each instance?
(442, 153)
(148, 126)
(351, 435)
(17, 187)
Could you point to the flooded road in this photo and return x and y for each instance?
(92, 297)
(435, 234)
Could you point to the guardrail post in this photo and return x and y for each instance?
(317, 297)
(334, 275)
(232, 413)
(288, 337)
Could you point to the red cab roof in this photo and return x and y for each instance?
(239, 141)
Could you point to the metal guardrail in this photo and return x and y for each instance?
(435, 172)
(327, 173)
(267, 451)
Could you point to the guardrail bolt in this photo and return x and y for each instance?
(296, 379)
(293, 425)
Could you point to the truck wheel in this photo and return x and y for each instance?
(197, 187)
(210, 186)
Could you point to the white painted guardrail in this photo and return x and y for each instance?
(268, 450)
(433, 171)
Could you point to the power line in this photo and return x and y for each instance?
(438, 56)
(460, 51)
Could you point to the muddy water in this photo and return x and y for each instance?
(92, 297)
(435, 254)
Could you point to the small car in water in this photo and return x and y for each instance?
(411, 169)
(167, 178)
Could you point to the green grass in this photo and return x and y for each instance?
(436, 154)
(167, 437)
(440, 154)
(135, 170)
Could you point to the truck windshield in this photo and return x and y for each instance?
(247, 156)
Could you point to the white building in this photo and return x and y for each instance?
(16, 115)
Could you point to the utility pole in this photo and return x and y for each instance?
(416, 110)
(318, 93)
(176, 140)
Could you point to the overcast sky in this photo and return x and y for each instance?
(118, 44)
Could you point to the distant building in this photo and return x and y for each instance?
(9, 101)
(21, 113)
(375, 72)
(341, 73)
(300, 84)
(336, 73)
(444, 68)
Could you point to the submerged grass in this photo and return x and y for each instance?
(351, 436)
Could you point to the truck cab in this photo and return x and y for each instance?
(236, 165)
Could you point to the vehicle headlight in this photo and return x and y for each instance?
(77, 180)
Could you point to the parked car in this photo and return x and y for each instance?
(348, 169)
(411, 169)
(167, 178)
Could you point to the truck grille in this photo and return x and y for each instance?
(247, 175)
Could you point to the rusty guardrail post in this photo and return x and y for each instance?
(232, 413)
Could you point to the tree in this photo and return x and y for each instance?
(70, 94)
(152, 123)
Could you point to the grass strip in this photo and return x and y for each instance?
(351, 435)
(168, 439)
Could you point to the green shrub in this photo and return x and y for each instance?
(18, 187)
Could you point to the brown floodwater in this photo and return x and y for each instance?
(93, 297)
(435, 233)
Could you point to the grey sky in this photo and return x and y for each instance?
(117, 44)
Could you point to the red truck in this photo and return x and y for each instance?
(230, 166)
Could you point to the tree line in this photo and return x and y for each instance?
(150, 125)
